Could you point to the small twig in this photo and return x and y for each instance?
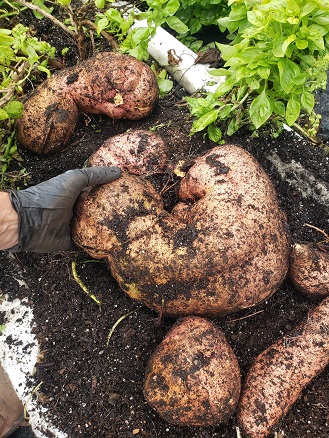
(26, 417)
(319, 230)
(115, 326)
(105, 34)
(245, 317)
(18, 75)
(47, 15)
(82, 285)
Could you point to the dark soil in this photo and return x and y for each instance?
(94, 390)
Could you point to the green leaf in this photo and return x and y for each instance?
(307, 101)
(177, 25)
(205, 120)
(3, 114)
(214, 133)
(14, 109)
(227, 51)
(279, 108)
(260, 109)
(288, 71)
(100, 4)
(292, 110)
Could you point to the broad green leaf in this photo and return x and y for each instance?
(288, 71)
(292, 8)
(287, 42)
(227, 51)
(214, 133)
(204, 121)
(277, 47)
(100, 4)
(172, 6)
(307, 101)
(257, 18)
(14, 109)
(308, 8)
(279, 108)
(301, 44)
(101, 24)
(260, 109)
(3, 114)
(292, 110)
(177, 25)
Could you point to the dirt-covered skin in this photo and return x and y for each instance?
(279, 374)
(309, 268)
(226, 251)
(113, 84)
(138, 152)
(193, 377)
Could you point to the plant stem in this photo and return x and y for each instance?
(47, 15)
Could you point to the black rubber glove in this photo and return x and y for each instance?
(45, 210)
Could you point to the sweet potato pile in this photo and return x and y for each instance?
(113, 84)
(224, 247)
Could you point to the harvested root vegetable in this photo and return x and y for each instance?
(193, 377)
(113, 84)
(279, 374)
(137, 152)
(226, 251)
(309, 269)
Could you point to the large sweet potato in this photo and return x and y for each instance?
(193, 377)
(279, 374)
(110, 83)
(226, 251)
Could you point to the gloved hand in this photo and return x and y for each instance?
(45, 210)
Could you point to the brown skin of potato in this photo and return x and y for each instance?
(279, 374)
(113, 84)
(193, 377)
(225, 252)
(137, 152)
(309, 269)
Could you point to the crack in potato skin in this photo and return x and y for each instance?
(226, 249)
(112, 84)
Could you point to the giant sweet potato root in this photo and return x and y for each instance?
(193, 377)
(309, 269)
(225, 247)
(113, 84)
(279, 374)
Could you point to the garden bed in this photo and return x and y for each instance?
(93, 390)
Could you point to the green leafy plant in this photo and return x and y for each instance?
(277, 58)
(21, 56)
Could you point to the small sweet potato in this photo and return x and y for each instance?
(137, 152)
(279, 374)
(224, 249)
(309, 269)
(113, 84)
(193, 377)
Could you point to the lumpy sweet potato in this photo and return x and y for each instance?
(309, 269)
(138, 152)
(279, 374)
(193, 377)
(113, 84)
(223, 249)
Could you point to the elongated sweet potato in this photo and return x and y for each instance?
(193, 377)
(137, 152)
(113, 84)
(226, 251)
(309, 269)
(279, 374)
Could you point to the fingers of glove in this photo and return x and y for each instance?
(62, 190)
